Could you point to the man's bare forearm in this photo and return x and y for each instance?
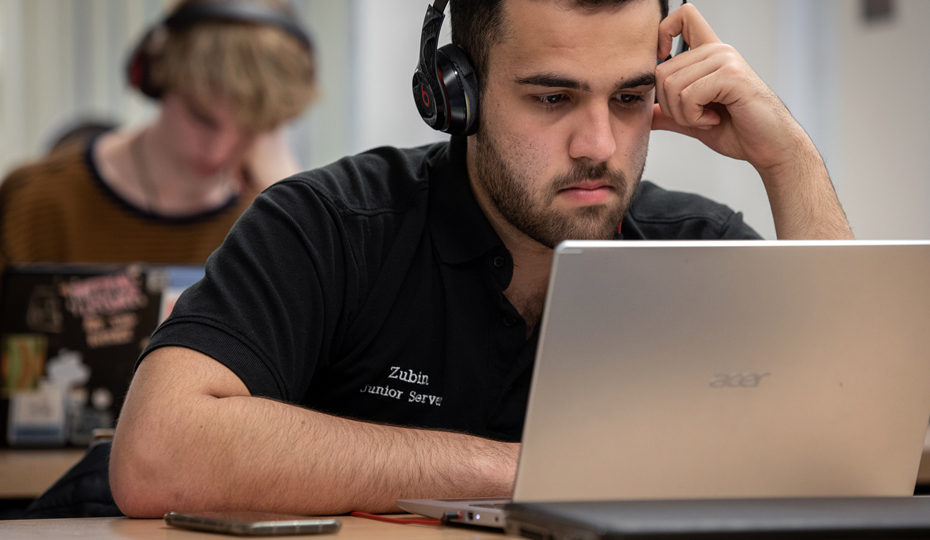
(804, 202)
(241, 452)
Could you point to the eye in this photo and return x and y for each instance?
(628, 99)
(551, 100)
(205, 120)
(201, 117)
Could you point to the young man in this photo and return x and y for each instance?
(367, 330)
(168, 191)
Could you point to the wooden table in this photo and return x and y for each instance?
(156, 529)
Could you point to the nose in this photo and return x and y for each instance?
(593, 137)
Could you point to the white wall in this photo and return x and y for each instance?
(387, 41)
(324, 133)
(61, 60)
(886, 122)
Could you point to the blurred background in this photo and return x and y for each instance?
(855, 73)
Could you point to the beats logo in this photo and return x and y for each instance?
(424, 95)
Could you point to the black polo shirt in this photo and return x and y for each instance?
(373, 289)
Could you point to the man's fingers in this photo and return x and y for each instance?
(687, 22)
(696, 97)
(676, 83)
(666, 69)
(662, 122)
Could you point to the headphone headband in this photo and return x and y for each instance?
(237, 11)
(431, 111)
(188, 15)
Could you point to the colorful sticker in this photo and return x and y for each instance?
(103, 295)
(105, 305)
(22, 361)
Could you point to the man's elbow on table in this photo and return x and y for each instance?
(158, 447)
(137, 477)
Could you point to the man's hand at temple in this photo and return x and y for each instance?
(711, 94)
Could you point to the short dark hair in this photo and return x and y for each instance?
(478, 24)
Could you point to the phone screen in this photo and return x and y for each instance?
(252, 523)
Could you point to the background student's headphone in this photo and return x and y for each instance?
(445, 85)
(233, 12)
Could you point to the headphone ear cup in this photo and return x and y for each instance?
(137, 68)
(426, 96)
(461, 85)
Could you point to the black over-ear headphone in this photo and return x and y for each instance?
(445, 85)
(234, 12)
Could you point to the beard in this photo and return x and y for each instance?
(509, 189)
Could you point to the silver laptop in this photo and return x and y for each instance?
(702, 370)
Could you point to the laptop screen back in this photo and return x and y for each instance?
(729, 369)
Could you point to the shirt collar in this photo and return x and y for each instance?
(461, 231)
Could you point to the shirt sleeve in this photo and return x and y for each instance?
(262, 309)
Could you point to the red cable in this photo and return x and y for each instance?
(404, 521)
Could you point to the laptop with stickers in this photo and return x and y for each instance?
(715, 370)
(69, 336)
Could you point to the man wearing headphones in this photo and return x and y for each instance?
(367, 331)
(227, 75)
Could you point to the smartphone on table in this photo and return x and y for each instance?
(252, 523)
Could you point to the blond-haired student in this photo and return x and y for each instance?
(227, 75)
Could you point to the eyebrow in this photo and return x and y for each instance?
(646, 79)
(551, 80)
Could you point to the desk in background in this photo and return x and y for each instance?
(26, 474)
(156, 529)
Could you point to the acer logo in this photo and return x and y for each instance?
(737, 380)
